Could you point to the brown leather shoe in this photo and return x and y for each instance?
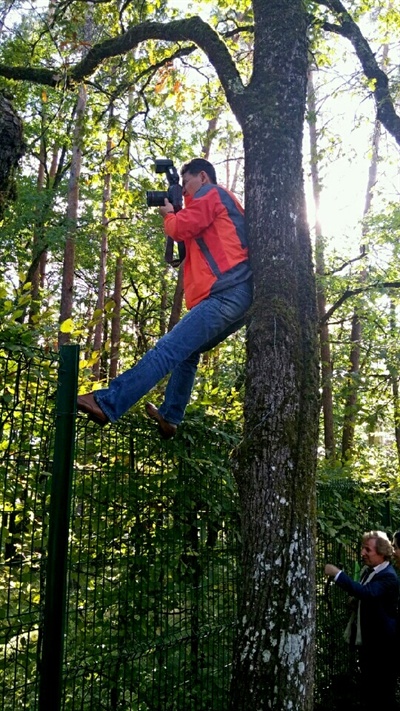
(88, 405)
(166, 429)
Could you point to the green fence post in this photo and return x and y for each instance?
(50, 689)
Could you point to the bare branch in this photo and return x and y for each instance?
(238, 30)
(346, 264)
(385, 110)
(353, 292)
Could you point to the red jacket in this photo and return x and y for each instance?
(212, 228)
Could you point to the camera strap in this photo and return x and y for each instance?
(169, 253)
(169, 247)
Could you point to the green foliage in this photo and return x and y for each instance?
(144, 513)
(27, 384)
(153, 553)
(152, 572)
(151, 565)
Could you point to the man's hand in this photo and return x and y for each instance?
(168, 207)
(331, 570)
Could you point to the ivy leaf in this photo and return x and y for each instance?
(67, 326)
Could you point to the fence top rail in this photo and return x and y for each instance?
(23, 351)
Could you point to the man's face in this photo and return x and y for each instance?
(369, 554)
(192, 183)
(396, 554)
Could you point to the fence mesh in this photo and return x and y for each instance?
(153, 571)
(153, 558)
(27, 386)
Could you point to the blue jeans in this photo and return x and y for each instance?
(178, 352)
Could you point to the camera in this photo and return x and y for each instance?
(155, 198)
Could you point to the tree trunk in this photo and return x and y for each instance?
(177, 301)
(350, 410)
(116, 318)
(11, 150)
(396, 408)
(394, 379)
(73, 189)
(72, 216)
(38, 228)
(209, 137)
(51, 185)
(101, 283)
(324, 337)
(274, 652)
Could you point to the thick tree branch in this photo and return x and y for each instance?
(36, 75)
(385, 110)
(191, 29)
(353, 292)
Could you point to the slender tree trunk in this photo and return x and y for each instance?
(394, 379)
(116, 318)
(51, 186)
(177, 300)
(164, 301)
(101, 283)
(72, 216)
(350, 409)
(396, 406)
(324, 337)
(274, 651)
(209, 137)
(38, 228)
(73, 191)
(233, 185)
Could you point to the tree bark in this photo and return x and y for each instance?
(38, 228)
(11, 150)
(72, 217)
(350, 409)
(274, 651)
(394, 380)
(101, 283)
(275, 465)
(116, 318)
(177, 300)
(324, 336)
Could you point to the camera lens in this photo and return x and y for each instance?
(155, 198)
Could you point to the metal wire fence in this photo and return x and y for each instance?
(151, 558)
(27, 385)
(152, 570)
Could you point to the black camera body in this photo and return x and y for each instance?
(155, 198)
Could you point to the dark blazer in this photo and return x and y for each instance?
(378, 606)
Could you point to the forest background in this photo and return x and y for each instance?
(82, 255)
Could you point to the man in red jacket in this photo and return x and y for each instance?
(218, 292)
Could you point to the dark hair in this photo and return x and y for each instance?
(195, 166)
(396, 538)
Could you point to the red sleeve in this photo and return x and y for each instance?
(193, 219)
